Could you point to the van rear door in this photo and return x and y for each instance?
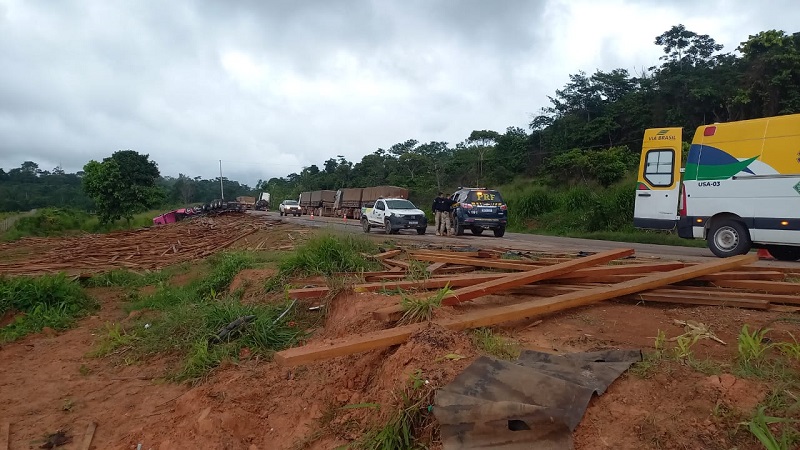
(658, 189)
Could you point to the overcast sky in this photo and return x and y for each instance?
(272, 86)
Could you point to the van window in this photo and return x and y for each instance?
(659, 167)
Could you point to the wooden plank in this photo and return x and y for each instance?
(435, 267)
(387, 255)
(487, 263)
(726, 293)
(773, 287)
(88, 436)
(430, 283)
(449, 270)
(460, 281)
(509, 281)
(401, 264)
(449, 254)
(626, 269)
(390, 276)
(519, 279)
(5, 435)
(721, 300)
(392, 336)
(736, 275)
(376, 273)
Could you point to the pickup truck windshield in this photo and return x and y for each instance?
(484, 196)
(290, 202)
(400, 204)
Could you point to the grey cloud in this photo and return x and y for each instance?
(82, 79)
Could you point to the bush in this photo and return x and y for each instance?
(329, 254)
(47, 301)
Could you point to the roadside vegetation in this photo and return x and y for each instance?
(589, 211)
(30, 304)
(63, 222)
(201, 324)
(326, 255)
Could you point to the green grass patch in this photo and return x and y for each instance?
(326, 255)
(47, 301)
(489, 342)
(127, 278)
(420, 309)
(182, 321)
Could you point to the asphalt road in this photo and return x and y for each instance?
(518, 241)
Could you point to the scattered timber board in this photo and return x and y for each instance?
(393, 336)
(513, 280)
(773, 287)
(477, 262)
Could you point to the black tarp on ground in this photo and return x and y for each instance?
(532, 403)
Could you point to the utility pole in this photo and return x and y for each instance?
(221, 189)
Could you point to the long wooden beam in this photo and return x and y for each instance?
(510, 281)
(393, 336)
(733, 275)
(506, 264)
(626, 269)
(773, 287)
(520, 279)
(468, 280)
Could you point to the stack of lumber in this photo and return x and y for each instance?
(142, 249)
(551, 284)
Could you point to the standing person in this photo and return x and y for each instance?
(440, 211)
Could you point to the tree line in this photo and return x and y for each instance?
(591, 130)
(28, 187)
(590, 133)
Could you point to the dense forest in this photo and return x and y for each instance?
(28, 187)
(589, 134)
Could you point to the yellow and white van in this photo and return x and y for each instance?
(740, 188)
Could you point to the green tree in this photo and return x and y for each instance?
(122, 185)
(772, 74)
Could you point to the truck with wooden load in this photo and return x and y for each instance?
(247, 201)
(350, 201)
(317, 202)
(347, 202)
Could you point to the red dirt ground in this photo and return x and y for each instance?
(260, 405)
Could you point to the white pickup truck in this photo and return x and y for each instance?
(393, 214)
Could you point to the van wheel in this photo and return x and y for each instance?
(729, 238)
(499, 231)
(784, 252)
(477, 231)
(365, 225)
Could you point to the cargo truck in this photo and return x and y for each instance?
(318, 202)
(246, 201)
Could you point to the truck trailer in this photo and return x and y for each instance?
(317, 202)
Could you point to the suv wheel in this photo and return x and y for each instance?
(499, 231)
(365, 225)
(459, 227)
(477, 231)
(387, 227)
